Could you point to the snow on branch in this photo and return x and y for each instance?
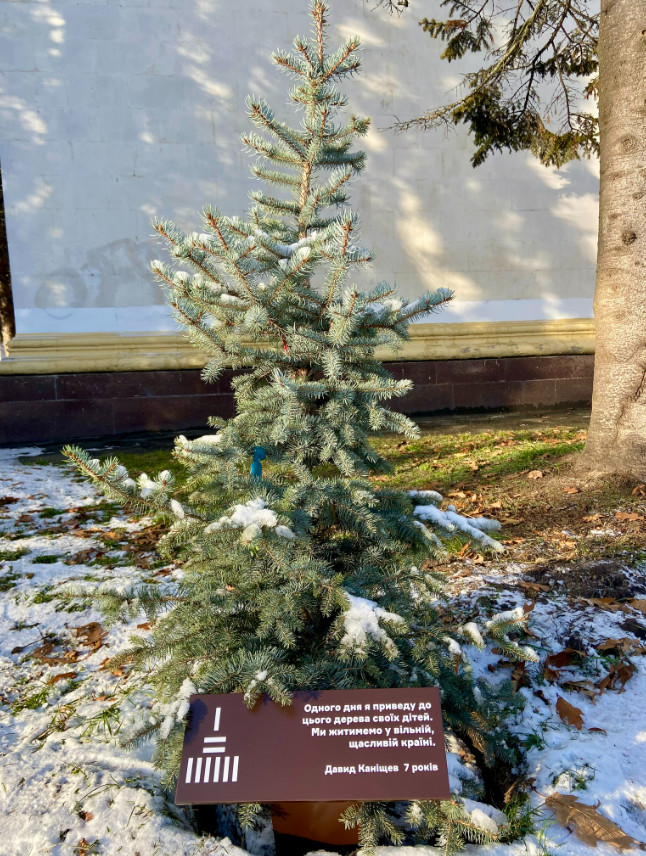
(451, 521)
(252, 518)
(361, 622)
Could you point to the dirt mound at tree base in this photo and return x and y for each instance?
(597, 579)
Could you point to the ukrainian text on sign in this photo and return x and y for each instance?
(330, 745)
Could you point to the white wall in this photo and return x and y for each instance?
(113, 111)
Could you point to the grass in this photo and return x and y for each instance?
(51, 512)
(518, 468)
(32, 702)
(43, 596)
(152, 462)
(442, 461)
(12, 555)
(7, 581)
(46, 560)
(107, 561)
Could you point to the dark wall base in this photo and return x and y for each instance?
(47, 408)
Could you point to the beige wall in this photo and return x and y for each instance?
(111, 114)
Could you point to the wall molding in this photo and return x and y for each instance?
(50, 353)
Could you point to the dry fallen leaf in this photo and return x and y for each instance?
(42, 653)
(624, 672)
(518, 675)
(563, 658)
(620, 675)
(571, 490)
(569, 714)
(533, 586)
(638, 604)
(589, 826)
(628, 515)
(145, 626)
(19, 649)
(92, 633)
(83, 848)
(592, 518)
(585, 687)
(624, 644)
(62, 677)
(535, 474)
(84, 557)
(604, 602)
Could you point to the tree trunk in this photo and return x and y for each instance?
(617, 438)
(7, 316)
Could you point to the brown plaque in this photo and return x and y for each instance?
(334, 745)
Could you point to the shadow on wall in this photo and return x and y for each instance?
(112, 127)
(509, 229)
(92, 283)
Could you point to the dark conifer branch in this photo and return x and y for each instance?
(547, 43)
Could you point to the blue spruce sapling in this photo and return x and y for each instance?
(304, 575)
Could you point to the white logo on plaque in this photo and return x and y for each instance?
(213, 746)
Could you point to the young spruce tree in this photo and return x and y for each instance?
(305, 577)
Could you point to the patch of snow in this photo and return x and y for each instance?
(285, 532)
(258, 678)
(63, 775)
(453, 646)
(206, 440)
(252, 513)
(484, 816)
(435, 515)
(147, 485)
(177, 509)
(361, 621)
(472, 630)
(508, 615)
(433, 495)
(451, 521)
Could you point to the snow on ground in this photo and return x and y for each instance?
(64, 783)
(604, 762)
(66, 786)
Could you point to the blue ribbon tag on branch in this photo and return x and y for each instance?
(259, 455)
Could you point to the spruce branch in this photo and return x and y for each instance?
(548, 45)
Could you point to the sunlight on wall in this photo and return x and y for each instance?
(112, 114)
